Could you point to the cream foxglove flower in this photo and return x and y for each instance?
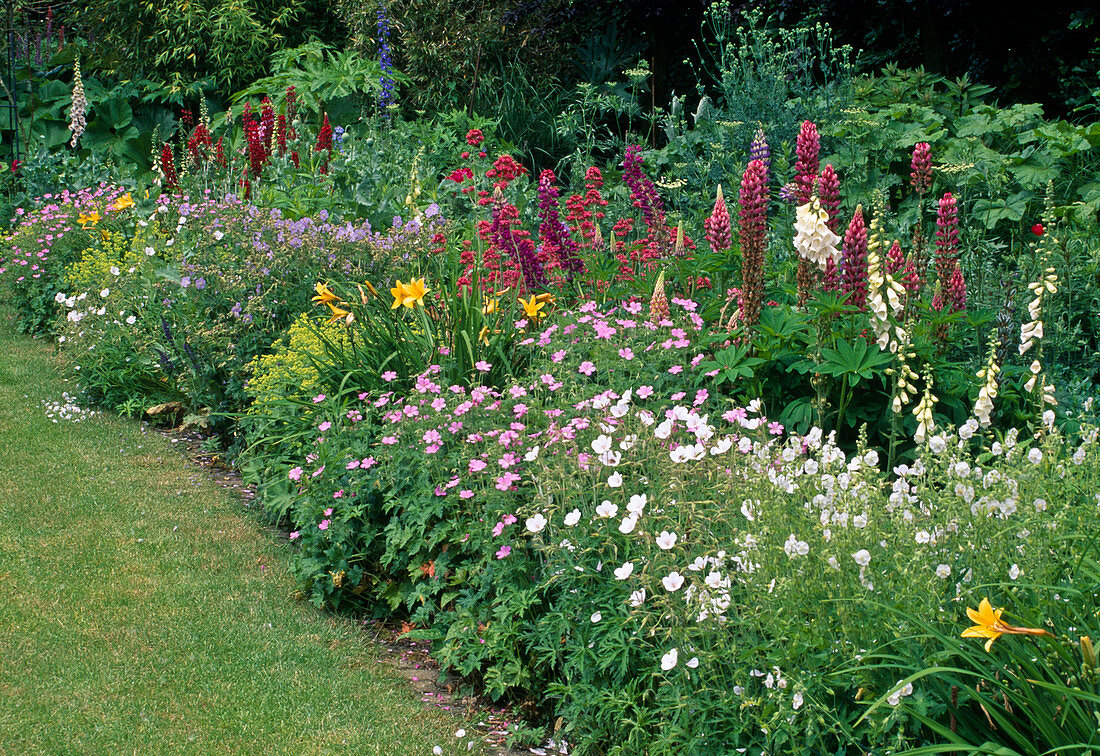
(813, 240)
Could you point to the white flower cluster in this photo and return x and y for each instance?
(813, 239)
(66, 410)
(77, 122)
(886, 296)
(988, 392)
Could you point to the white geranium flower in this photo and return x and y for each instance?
(573, 518)
(615, 480)
(622, 573)
(627, 525)
(607, 510)
(602, 444)
(669, 660)
(637, 598)
(596, 617)
(673, 581)
(666, 540)
(536, 524)
(862, 557)
(637, 503)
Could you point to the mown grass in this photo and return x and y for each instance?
(143, 610)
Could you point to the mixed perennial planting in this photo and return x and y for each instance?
(678, 475)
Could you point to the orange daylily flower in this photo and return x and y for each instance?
(988, 625)
(88, 219)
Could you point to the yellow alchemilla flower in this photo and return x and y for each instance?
(532, 307)
(324, 294)
(988, 625)
(123, 202)
(88, 219)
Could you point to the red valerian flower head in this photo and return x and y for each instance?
(474, 137)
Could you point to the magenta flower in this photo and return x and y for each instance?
(509, 519)
(323, 525)
(498, 529)
(807, 150)
(319, 398)
(483, 366)
(587, 368)
(295, 474)
(504, 551)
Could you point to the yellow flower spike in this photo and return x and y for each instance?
(324, 294)
(414, 293)
(399, 295)
(988, 625)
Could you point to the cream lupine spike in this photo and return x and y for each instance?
(923, 411)
(813, 239)
(885, 296)
(988, 392)
(79, 108)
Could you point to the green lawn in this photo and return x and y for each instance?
(143, 610)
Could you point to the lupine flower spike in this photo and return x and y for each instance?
(807, 150)
(754, 228)
(829, 192)
(853, 261)
(718, 231)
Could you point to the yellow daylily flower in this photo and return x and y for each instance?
(370, 288)
(409, 294)
(399, 295)
(324, 294)
(489, 307)
(532, 307)
(339, 313)
(88, 219)
(988, 625)
(414, 292)
(123, 202)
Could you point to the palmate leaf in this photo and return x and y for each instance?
(854, 361)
